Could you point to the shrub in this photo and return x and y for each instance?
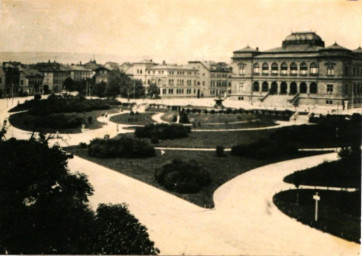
(220, 151)
(212, 111)
(182, 177)
(90, 119)
(121, 147)
(83, 145)
(183, 118)
(174, 119)
(154, 140)
(37, 97)
(265, 149)
(162, 131)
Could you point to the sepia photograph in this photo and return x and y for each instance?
(180, 127)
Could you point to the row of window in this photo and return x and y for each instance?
(293, 68)
(293, 88)
(219, 75)
(357, 89)
(218, 83)
(171, 72)
(178, 91)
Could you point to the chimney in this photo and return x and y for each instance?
(164, 62)
(257, 48)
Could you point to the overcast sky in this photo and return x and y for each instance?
(172, 30)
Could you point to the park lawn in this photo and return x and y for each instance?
(213, 139)
(339, 211)
(247, 124)
(17, 120)
(127, 118)
(221, 169)
(340, 173)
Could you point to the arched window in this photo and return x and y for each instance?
(274, 68)
(303, 87)
(255, 87)
(265, 68)
(303, 69)
(293, 69)
(284, 68)
(313, 88)
(241, 68)
(293, 88)
(256, 69)
(274, 88)
(313, 68)
(283, 88)
(330, 70)
(265, 87)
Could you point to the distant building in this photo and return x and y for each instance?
(101, 75)
(79, 72)
(214, 78)
(30, 81)
(174, 80)
(300, 72)
(112, 65)
(54, 75)
(138, 71)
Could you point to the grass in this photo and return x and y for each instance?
(213, 139)
(340, 173)
(221, 169)
(339, 211)
(16, 120)
(139, 119)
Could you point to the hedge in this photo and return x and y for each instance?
(162, 131)
(121, 147)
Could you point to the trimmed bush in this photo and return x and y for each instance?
(220, 151)
(265, 149)
(122, 147)
(182, 177)
(183, 118)
(162, 131)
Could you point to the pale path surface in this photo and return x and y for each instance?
(244, 221)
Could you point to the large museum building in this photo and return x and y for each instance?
(300, 72)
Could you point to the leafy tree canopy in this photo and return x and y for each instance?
(44, 208)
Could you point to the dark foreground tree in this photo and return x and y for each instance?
(115, 226)
(44, 208)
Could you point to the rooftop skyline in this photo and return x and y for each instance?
(171, 30)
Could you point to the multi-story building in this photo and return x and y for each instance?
(137, 71)
(302, 71)
(11, 70)
(2, 82)
(214, 78)
(54, 75)
(30, 81)
(79, 72)
(174, 80)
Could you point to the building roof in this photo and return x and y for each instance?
(336, 46)
(93, 65)
(300, 38)
(213, 66)
(77, 68)
(30, 72)
(247, 49)
(358, 50)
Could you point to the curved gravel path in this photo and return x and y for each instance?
(244, 221)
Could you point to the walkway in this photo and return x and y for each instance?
(244, 221)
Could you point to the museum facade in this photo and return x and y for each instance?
(300, 72)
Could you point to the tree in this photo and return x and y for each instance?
(153, 91)
(68, 84)
(44, 208)
(41, 201)
(115, 226)
(99, 89)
